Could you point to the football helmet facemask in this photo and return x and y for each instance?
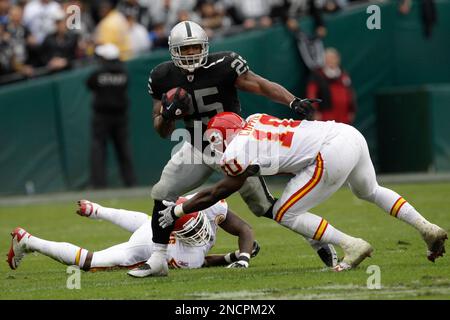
(193, 229)
(187, 33)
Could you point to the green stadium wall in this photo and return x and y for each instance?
(45, 123)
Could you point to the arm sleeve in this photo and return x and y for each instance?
(236, 64)
(154, 84)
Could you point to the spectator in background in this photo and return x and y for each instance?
(22, 41)
(6, 52)
(141, 14)
(85, 32)
(113, 28)
(109, 85)
(333, 85)
(139, 38)
(250, 13)
(4, 10)
(39, 17)
(297, 8)
(212, 19)
(167, 11)
(59, 48)
(158, 36)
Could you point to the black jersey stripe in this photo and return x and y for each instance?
(188, 29)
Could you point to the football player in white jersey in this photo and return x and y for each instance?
(192, 238)
(321, 156)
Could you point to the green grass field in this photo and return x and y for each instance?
(286, 267)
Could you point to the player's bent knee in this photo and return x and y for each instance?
(366, 195)
(160, 192)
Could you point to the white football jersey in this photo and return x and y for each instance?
(181, 255)
(276, 145)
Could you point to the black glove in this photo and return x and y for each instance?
(304, 107)
(176, 107)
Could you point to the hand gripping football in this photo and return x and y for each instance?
(176, 103)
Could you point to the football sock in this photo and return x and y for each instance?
(63, 252)
(316, 228)
(158, 256)
(128, 220)
(394, 204)
(316, 245)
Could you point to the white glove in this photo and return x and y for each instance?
(238, 264)
(167, 216)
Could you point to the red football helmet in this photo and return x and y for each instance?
(193, 229)
(222, 128)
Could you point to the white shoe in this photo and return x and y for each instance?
(155, 267)
(87, 208)
(18, 247)
(354, 253)
(434, 237)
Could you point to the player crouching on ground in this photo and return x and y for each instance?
(322, 156)
(193, 237)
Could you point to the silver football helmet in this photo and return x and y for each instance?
(188, 33)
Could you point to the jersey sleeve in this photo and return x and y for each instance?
(237, 64)
(155, 83)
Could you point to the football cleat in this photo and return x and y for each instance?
(86, 208)
(255, 249)
(238, 264)
(434, 237)
(156, 266)
(327, 253)
(354, 254)
(18, 247)
(145, 270)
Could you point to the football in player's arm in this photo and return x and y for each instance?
(166, 112)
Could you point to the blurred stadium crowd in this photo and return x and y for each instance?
(39, 37)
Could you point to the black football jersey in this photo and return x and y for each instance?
(211, 86)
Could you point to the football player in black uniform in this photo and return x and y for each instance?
(211, 81)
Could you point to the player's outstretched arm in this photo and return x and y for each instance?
(162, 126)
(256, 84)
(221, 190)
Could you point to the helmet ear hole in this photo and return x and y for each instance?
(225, 126)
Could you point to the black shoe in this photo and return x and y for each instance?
(328, 255)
